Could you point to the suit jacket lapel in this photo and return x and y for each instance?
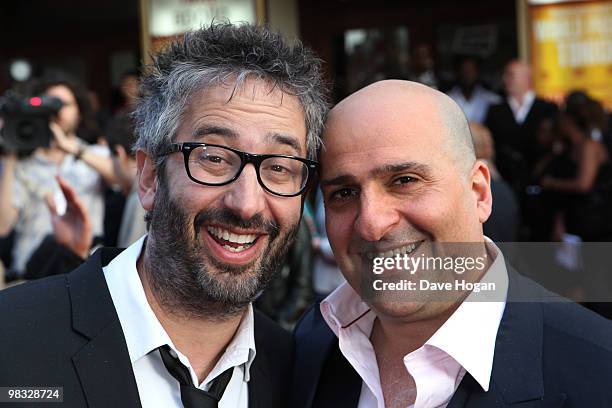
(325, 377)
(258, 384)
(103, 365)
(270, 379)
(339, 385)
(517, 378)
(509, 113)
(314, 342)
(533, 114)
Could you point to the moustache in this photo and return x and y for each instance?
(225, 216)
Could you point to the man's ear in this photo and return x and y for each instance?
(481, 188)
(147, 179)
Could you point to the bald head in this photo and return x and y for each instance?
(398, 163)
(392, 106)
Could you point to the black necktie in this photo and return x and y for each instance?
(191, 396)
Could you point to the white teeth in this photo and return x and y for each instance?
(232, 237)
(406, 249)
(232, 249)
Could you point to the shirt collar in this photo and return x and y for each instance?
(468, 336)
(527, 100)
(144, 333)
(476, 93)
(520, 111)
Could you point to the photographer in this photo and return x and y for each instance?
(26, 182)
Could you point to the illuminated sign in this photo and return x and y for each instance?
(571, 49)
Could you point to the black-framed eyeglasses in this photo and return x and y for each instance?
(216, 165)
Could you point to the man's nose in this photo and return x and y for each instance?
(245, 196)
(377, 216)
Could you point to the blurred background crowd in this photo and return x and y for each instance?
(67, 131)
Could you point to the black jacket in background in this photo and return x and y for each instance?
(516, 145)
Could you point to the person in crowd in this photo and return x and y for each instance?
(26, 182)
(577, 192)
(514, 123)
(473, 98)
(228, 123)
(70, 243)
(124, 216)
(326, 275)
(100, 113)
(128, 86)
(583, 190)
(422, 66)
(290, 291)
(599, 121)
(504, 222)
(399, 176)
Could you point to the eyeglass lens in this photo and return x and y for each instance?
(216, 165)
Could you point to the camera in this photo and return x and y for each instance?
(26, 122)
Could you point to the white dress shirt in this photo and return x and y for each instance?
(465, 342)
(475, 108)
(144, 334)
(520, 111)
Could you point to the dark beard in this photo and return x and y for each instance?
(179, 273)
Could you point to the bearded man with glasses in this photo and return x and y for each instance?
(228, 123)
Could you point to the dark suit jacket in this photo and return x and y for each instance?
(505, 219)
(64, 331)
(554, 354)
(516, 144)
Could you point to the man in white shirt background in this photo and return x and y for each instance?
(400, 179)
(514, 123)
(473, 98)
(228, 120)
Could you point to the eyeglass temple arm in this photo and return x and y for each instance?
(173, 148)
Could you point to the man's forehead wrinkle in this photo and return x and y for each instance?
(210, 96)
(341, 179)
(381, 171)
(202, 129)
(391, 168)
(251, 86)
(285, 139)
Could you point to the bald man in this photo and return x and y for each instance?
(401, 183)
(514, 123)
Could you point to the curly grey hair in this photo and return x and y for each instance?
(209, 57)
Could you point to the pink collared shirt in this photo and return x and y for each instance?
(465, 342)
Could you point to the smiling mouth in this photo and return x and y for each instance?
(403, 250)
(230, 240)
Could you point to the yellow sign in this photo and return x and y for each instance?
(571, 49)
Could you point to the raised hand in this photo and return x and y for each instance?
(72, 229)
(63, 141)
